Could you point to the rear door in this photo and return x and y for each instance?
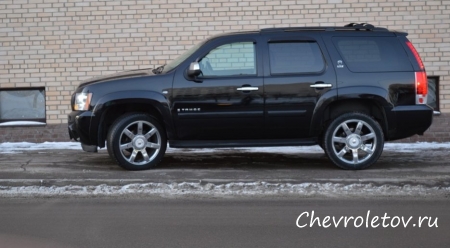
(296, 75)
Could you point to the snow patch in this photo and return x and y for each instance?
(26, 146)
(397, 147)
(22, 123)
(415, 147)
(225, 190)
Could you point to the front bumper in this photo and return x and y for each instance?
(79, 125)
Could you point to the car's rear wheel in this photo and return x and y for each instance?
(136, 141)
(354, 141)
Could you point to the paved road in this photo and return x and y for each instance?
(63, 167)
(161, 222)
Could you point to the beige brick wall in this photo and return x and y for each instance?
(57, 43)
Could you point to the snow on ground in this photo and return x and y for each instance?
(25, 146)
(22, 123)
(258, 189)
(397, 147)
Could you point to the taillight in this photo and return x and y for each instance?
(421, 87)
(416, 55)
(421, 77)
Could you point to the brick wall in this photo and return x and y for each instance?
(35, 134)
(57, 43)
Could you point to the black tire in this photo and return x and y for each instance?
(353, 141)
(136, 141)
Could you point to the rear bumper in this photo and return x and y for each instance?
(411, 120)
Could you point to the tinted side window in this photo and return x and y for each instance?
(372, 54)
(295, 57)
(230, 60)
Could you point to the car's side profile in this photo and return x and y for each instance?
(348, 89)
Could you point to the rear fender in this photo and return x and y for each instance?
(366, 95)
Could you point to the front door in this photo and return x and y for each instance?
(226, 101)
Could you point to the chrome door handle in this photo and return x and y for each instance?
(321, 86)
(247, 88)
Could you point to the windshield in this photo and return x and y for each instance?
(174, 63)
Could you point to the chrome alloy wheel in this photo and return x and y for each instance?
(140, 142)
(354, 141)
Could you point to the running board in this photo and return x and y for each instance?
(241, 143)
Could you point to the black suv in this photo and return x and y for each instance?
(348, 89)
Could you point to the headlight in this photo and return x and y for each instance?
(82, 101)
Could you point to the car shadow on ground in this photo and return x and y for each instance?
(277, 161)
(242, 160)
(226, 160)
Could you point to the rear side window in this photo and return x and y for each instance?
(295, 57)
(373, 54)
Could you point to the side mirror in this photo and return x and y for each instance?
(194, 70)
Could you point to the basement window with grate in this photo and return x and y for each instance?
(22, 107)
(433, 93)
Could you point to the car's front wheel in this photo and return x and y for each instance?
(353, 141)
(136, 141)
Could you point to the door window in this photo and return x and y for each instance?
(295, 57)
(234, 59)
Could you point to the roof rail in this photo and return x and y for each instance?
(358, 26)
(348, 27)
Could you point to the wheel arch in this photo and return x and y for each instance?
(369, 100)
(112, 106)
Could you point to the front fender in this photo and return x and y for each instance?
(155, 99)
